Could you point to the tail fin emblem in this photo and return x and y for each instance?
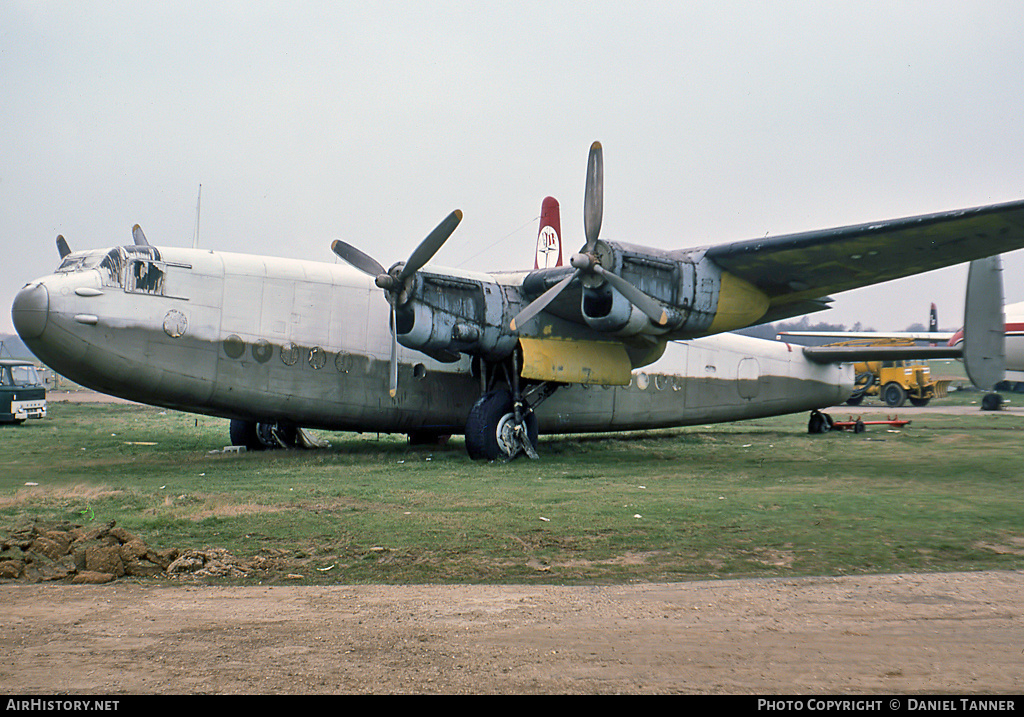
(549, 239)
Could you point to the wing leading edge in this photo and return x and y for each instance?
(797, 268)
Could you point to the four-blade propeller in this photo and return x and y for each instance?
(587, 262)
(393, 282)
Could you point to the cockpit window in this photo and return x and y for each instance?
(112, 264)
(79, 262)
(144, 277)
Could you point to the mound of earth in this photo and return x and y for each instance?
(101, 553)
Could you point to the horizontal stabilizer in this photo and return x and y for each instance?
(983, 349)
(851, 354)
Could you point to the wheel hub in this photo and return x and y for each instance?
(506, 435)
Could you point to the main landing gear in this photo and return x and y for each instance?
(495, 431)
(502, 424)
(819, 422)
(263, 436)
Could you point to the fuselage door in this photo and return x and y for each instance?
(748, 375)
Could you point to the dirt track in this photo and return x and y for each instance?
(941, 633)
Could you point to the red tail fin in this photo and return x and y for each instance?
(549, 238)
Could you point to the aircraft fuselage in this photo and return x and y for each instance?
(272, 339)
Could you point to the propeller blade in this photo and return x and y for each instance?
(593, 200)
(138, 236)
(429, 246)
(62, 246)
(636, 297)
(364, 262)
(538, 305)
(393, 377)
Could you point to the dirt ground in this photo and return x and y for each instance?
(926, 634)
(939, 633)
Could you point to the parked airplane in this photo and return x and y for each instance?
(274, 344)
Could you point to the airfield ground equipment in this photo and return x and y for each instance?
(859, 425)
(895, 381)
(22, 394)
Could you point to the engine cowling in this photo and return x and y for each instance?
(448, 315)
(698, 296)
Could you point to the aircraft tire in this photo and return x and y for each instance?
(894, 395)
(489, 415)
(819, 422)
(991, 402)
(243, 433)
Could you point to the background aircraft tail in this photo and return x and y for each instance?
(549, 237)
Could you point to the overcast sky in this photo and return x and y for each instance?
(306, 122)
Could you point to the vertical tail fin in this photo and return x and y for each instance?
(985, 324)
(549, 237)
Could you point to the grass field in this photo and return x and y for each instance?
(756, 498)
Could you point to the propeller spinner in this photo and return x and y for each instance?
(587, 262)
(393, 282)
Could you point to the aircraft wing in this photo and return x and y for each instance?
(794, 268)
(911, 335)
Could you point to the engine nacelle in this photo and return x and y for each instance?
(697, 295)
(606, 310)
(448, 315)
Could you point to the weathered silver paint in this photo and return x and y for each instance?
(718, 378)
(265, 338)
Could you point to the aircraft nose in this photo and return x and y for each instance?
(30, 309)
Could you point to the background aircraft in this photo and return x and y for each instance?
(276, 344)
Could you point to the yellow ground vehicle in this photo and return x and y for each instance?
(894, 381)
